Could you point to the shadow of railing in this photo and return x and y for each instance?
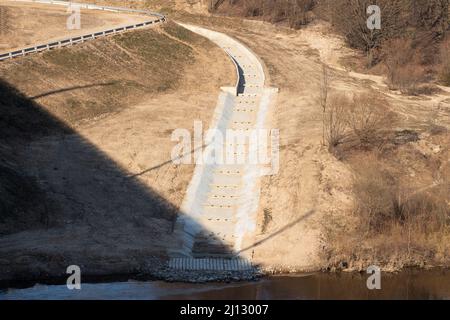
(62, 90)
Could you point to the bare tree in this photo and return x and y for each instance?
(335, 124)
(349, 17)
(368, 118)
(403, 62)
(445, 62)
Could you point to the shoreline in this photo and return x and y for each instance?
(172, 276)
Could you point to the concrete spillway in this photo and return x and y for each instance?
(219, 211)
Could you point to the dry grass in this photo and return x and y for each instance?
(384, 201)
(402, 209)
(445, 63)
(405, 71)
(86, 83)
(362, 121)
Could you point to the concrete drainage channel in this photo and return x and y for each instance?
(218, 214)
(80, 39)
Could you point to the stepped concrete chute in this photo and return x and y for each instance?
(220, 206)
(156, 18)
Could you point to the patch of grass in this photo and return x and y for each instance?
(181, 33)
(73, 59)
(154, 47)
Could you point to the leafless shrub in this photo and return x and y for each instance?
(335, 122)
(405, 72)
(363, 121)
(383, 202)
(445, 62)
(430, 15)
(298, 12)
(369, 119)
(373, 192)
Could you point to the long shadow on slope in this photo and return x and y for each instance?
(92, 85)
(63, 201)
(278, 232)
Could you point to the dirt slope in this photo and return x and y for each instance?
(91, 128)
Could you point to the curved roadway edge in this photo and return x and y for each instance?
(91, 36)
(220, 206)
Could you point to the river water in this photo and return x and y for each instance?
(405, 285)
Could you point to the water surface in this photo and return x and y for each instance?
(406, 285)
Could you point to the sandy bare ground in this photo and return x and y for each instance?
(28, 23)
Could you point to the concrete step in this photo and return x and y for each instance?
(223, 201)
(223, 225)
(246, 109)
(215, 237)
(207, 221)
(230, 169)
(209, 213)
(248, 96)
(223, 196)
(217, 227)
(225, 192)
(210, 264)
(247, 102)
(222, 179)
(216, 240)
(252, 84)
(243, 117)
(210, 249)
(241, 124)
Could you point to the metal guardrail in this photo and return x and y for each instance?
(79, 39)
